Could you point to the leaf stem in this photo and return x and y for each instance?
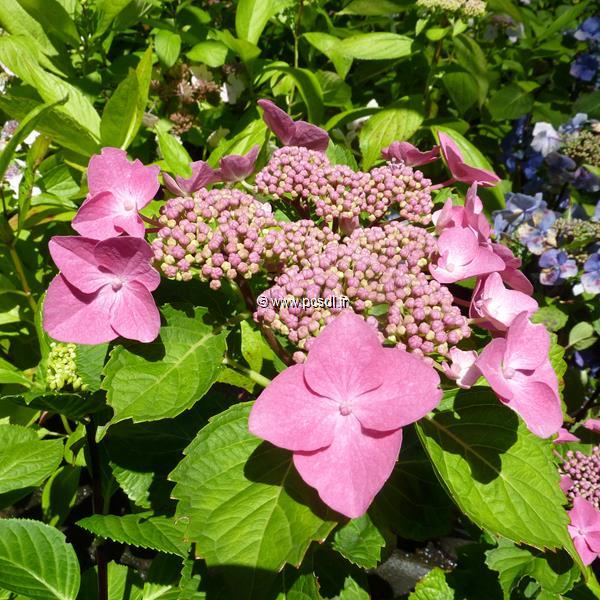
(253, 375)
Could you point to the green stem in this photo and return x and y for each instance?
(66, 425)
(252, 375)
(20, 271)
(592, 583)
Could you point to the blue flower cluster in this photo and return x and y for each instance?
(587, 65)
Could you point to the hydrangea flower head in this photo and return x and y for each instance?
(409, 154)
(118, 190)
(585, 530)
(459, 169)
(202, 175)
(103, 291)
(518, 370)
(293, 133)
(235, 167)
(341, 412)
(545, 138)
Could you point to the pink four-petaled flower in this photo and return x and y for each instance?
(103, 291)
(518, 370)
(585, 529)
(410, 155)
(118, 190)
(341, 413)
(202, 175)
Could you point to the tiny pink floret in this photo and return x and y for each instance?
(341, 413)
(462, 368)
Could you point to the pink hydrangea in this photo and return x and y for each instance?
(202, 175)
(585, 530)
(511, 274)
(341, 413)
(293, 133)
(518, 370)
(565, 437)
(592, 425)
(462, 368)
(235, 167)
(118, 190)
(409, 154)
(103, 291)
(459, 169)
(498, 305)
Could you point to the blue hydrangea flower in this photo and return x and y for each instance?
(589, 30)
(533, 234)
(545, 138)
(588, 359)
(586, 181)
(556, 267)
(519, 209)
(596, 216)
(574, 125)
(590, 280)
(585, 67)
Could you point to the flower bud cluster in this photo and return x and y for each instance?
(62, 368)
(583, 470)
(584, 147)
(466, 8)
(338, 192)
(373, 267)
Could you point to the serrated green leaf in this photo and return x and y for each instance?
(54, 18)
(433, 587)
(462, 88)
(500, 474)
(10, 374)
(59, 494)
(143, 530)
(551, 316)
(554, 572)
(26, 461)
(470, 57)
(561, 23)
(326, 43)
(119, 117)
(361, 542)
(210, 52)
(254, 133)
(375, 46)
(176, 156)
(387, 126)
(73, 406)
(510, 102)
(108, 10)
(147, 382)
(244, 502)
(36, 561)
(90, 362)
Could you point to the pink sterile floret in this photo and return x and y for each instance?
(585, 530)
(462, 368)
(592, 425)
(511, 274)
(462, 256)
(518, 370)
(202, 175)
(460, 170)
(235, 167)
(342, 411)
(564, 437)
(102, 291)
(499, 305)
(410, 155)
(118, 190)
(293, 133)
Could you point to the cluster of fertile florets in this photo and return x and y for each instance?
(466, 8)
(584, 147)
(313, 184)
(583, 470)
(62, 368)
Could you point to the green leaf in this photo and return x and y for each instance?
(372, 8)
(327, 43)
(252, 16)
(387, 126)
(143, 530)
(167, 45)
(147, 382)
(246, 50)
(254, 133)
(510, 102)
(10, 374)
(568, 17)
(90, 362)
(60, 494)
(462, 88)
(210, 52)
(498, 473)
(108, 10)
(361, 542)
(54, 19)
(73, 406)
(375, 46)
(120, 113)
(36, 561)
(470, 57)
(433, 587)
(309, 88)
(26, 460)
(335, 91)
(554, 572)
(245, 504)
(551, 316)
(176, 156)
(589, 104)
(582, 336)
(252, 346)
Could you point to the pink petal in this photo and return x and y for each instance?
(96, 216)
(527, 345)
(592, 425)
(537, 404)
(290, 415)
(131, 183)
(134, 314)
(517, 280)
(566, 483)
(463, 369)
(459, 169)
(490, 364)
(346, 359)
(202, 175)
(564, 437)
(277, 120)
(236, 167)
(130, 223)
(310, 136)
(71, 316)
(74, 257)
(587, 555)
(584, 515)
(409, 391)
(410, 155)
(349, 473)
(459, 244)
(129, 258)
(473, 202)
